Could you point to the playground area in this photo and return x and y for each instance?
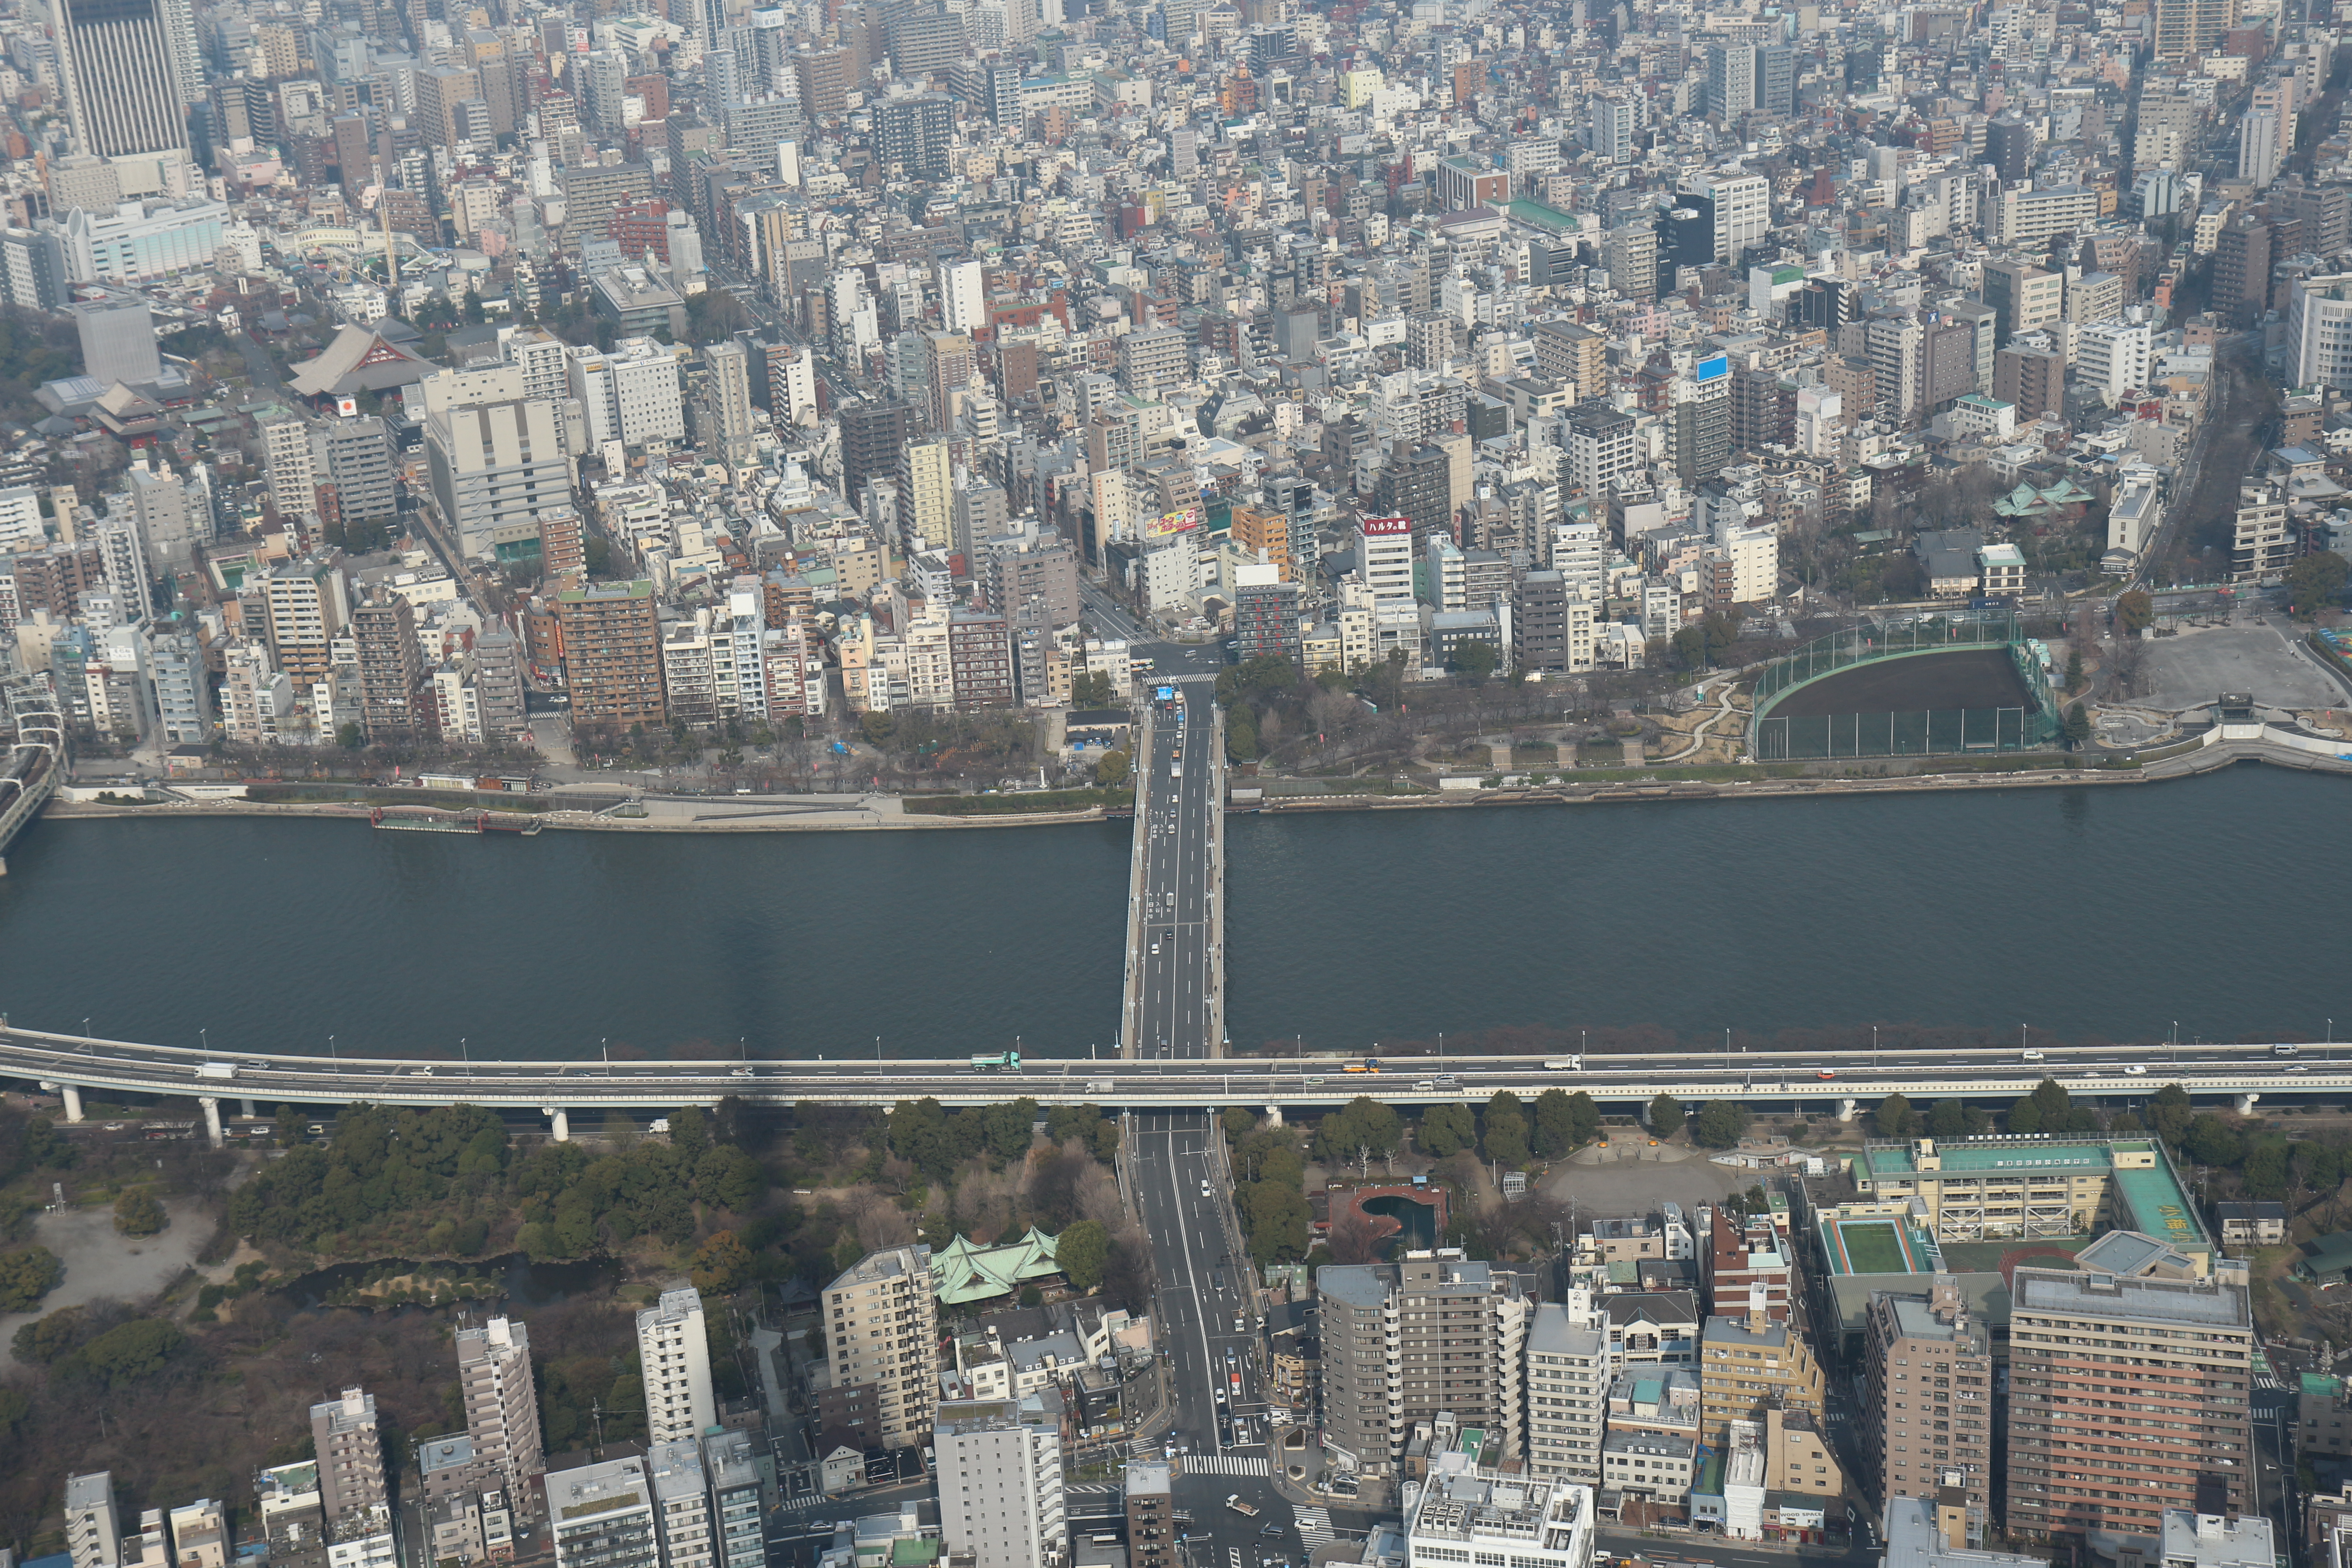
(1874, 1247)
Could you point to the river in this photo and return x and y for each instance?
(2112, 912)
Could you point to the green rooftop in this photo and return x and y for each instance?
(1894, 1159)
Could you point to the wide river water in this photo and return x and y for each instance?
(2110, 911)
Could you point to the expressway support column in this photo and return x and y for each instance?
(560, 1123)
(2246, 1104)
(73, 1101)
(244, 1108)
(1845, 1109)
(211, 1119)
(1274, 1116)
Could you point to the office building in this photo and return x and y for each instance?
(2242, 256)
(872, 436)
(2319, 331)
(118, 341)
(395, 698)
(173, 521)
(1927, 1420)
(1931, 1531)
(630, 395)
(1467, 1513)
(723, 423)
(496, 468)
(999, 1465)
(1600, 447)
(128, 71)
(1384, 557)
(1741, 207)
(2086, 1348)
(1551, 626)
(673, 1355)
(1731, 79)
(1417, 484)
(602, 1516)
(883, 1323)
(351, 1461)
(1152, 360)
(494, 1359)
(1568, 1392)
(1404, 1342)
(1609, 129)
(1742, 1256)
(611, 657)
(358, 468)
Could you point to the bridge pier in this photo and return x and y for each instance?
(2246, 1104)
(561, 1123)
(1845, 1109)
(1274, 1116)
(245, 1107)
(73, 1101)
(211, 1119)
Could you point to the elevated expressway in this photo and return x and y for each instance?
(1835, 1082)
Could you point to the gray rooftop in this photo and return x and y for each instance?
(2203, 1302)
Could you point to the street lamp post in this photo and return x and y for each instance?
(333, 1054)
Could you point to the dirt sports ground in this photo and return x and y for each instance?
(1972, 678)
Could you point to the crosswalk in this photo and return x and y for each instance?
(1091, 1489)
(1226, 1465)
(2269, 1380)
(1314, 1528)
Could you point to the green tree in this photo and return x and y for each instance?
(919, 1135)
(1241, 733)
(1361, 1130)
(132, 1352)
(44, 1339)
(1445, 1130)
(1113, 769)
(2169, 1114)
(2265, 1171)
(46, 1148)
(689, 1132)
(1276, 1218)
(1504, 1129)
(1721, 1125)
(136, 1213)
(1955, 1118)
(2074, 669)
(1556, 1122)
(350, 737)
(27, 1275)
(1665, 1116)
(2213, 1141)
(293, 1126)
(2078, 724)
(1084, 1252)
(2135, 611)
(2315, 582)
(1238, 1122)
(1894, 1118)
(1475, 662)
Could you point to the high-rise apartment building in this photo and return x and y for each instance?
(674, 1354)
(926, 496)
(501, 1397)
(883, 1324)
(308, 606)
(357, 462)
(1150, 1515)
(1600, 447)
(611, 655)
(287, 459)
(1418, 484)
(1001, 1482)
(947, 376)
(1266, 618)
(1568, 1392)
(351, 1461)
(1749, 1363)
(682, 1504)
(1731, 79)
(2127, 1395)
(916, 134)
(1152, 360)
(1740, 1257)
(1927, 1421)
(392, 674)
(724, 417)
(1432, 1335)
(2186, 28)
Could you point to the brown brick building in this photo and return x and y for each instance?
(612, 647)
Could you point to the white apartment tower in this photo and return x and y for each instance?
(675, 1352)
(93, 1533)
(999, 1478)
(964, 297)
(682, 1505)
(1384, 557)
(1568, 1391)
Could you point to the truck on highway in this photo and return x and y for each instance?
(1565, 1064)
(1248, 1510)
(216, 1069)
(1003, 1061)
